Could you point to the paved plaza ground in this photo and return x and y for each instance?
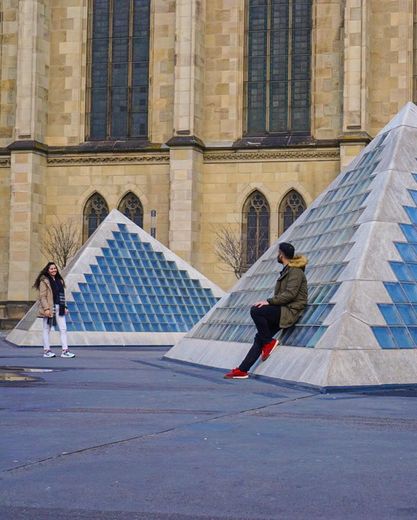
(121, 434)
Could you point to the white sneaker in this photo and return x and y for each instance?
(67, 353)
(48, 353)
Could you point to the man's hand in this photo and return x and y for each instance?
(48, 313)
(261, 303)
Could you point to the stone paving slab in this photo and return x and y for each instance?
(123, 434)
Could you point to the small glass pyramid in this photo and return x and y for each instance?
(126, 287)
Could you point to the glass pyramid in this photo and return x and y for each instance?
(360, 236)
(126, 287)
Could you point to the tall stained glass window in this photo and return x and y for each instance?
(290, 209)
(95, 211)
(278, 62)
(132, 207)
(255, 227)
(118, 64)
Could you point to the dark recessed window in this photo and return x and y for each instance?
(290, 209)
(132, 207)
(118, 69)
(255, 227)
(278, 63)
(95, 211)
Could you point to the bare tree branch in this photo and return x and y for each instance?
(230, 250)
(234, 253)
(61, 242)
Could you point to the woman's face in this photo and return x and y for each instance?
(52, 270)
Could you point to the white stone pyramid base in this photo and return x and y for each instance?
(320, 368)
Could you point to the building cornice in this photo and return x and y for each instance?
(294, 154)
(104, 159)
(91, 153)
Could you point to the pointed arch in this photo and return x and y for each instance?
(132, 208)
(95, 211)
(291, 207)
(255, 226)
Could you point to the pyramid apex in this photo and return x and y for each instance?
(407, 116)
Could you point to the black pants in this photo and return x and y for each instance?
(266, 319)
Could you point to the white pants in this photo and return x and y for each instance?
(62, 325)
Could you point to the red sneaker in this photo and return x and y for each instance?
(236, 374)
(268, 348)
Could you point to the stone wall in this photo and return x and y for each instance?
(8, 65)
(72, 180)
(4, 226)
(228, 180)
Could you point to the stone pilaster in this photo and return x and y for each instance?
(8, 57)
(32, 70)
(356, 57)
(28, 162)
(186, 161)
(26, 220)
(189, 67)
(186, 165)
(355, 86)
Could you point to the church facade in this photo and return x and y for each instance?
(189, 116)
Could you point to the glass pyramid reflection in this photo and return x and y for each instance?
(125, 287)
(360, 235)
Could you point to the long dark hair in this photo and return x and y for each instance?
(44, 273)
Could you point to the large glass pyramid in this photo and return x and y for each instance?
(125, 288)
(360, 236)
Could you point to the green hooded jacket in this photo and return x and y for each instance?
(291, 291)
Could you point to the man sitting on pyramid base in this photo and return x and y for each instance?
(279, 312)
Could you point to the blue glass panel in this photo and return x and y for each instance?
(410, 232)
(71, 306)
(402, 272)
(396, 293)
(391, 316)
(412, 214)
(413, 332)
(408, 314)
(109, 327)
(402, 337)
(384, 337)
(410, 291)
(413, 270)
(407, 252)
(413, 194)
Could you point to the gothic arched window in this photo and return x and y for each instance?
(131, 206)
(255, 227)
(290, 209)
(95, 211)
(278, 63)
(118, 64)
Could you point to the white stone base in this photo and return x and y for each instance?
(33, 338)
(322, 368)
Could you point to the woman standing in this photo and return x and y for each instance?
(52, 308)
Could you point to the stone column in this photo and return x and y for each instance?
(28, 160)
(355, 87)
(186, 158)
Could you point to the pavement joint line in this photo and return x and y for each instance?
(149, 435)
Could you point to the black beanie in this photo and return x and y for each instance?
(287, 249)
